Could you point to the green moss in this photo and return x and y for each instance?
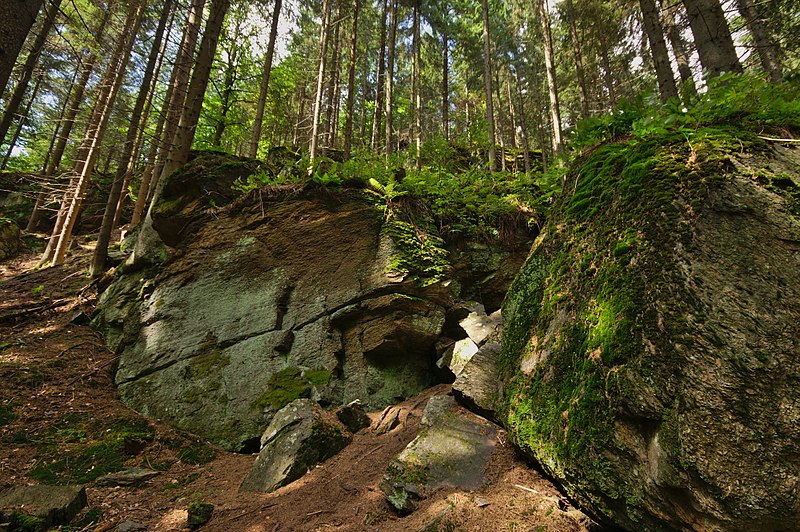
(7, 414)
(288, 385)
(196, 453)
(22, 522)
(199, 513)
(80, 454)
(209, 359)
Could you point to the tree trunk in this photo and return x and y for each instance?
(265, 73)
(380, 81)
(555, 111)
(712, 37)
(21, 123)
(445, 87)
(226, 97)
(576, 49)
(124, 167)
(27, 69)
(317, 113)
(184, 136)
(180, 84)
(332, 109)
(351, 83)
(16, 19)
(487, 78)
(417, 60)
(658, 49)
(523, 128)
(608, 77)
(678, 45)
(388, 111)
(108, 88)
(765, 46)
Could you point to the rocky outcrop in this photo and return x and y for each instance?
(300, 436)
(651, 358)
(230, 309)
(452, 448)
(478, 385)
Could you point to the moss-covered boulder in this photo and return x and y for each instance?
(651, 360)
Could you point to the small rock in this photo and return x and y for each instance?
(353, 416)
(199, 514)
(299, 437)
(452, 448)
(55, 505)
(130, 526)
(477, 386)
(480, 502)
(80, 319)
(129, 477)
(479, 326)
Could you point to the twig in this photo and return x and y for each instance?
(785, 141)
(524, 488)
(317, 513)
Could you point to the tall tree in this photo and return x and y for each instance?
(578, 53)
(416, 85)
(323, 49)
(712, 36)
(27, 69)
(658, 49)
(351, 83)
(380, 81)
(184, 135)
(388, 104)
(550, 68)
(765, 46)
(107, 92)
(677, 43)
(265, 73)
(16, 19)
(124, 167)
(487, 79)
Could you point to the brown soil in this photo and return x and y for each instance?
(56, 378)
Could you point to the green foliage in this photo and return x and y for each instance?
(289, 384)
(420, 254)
(22, 522)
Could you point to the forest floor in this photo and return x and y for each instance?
(61, 421)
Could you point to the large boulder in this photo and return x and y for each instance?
(651, 360)
(47, 505)
(300, 436)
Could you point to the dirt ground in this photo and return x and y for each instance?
(61, 421)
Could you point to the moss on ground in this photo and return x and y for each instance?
(77, 451)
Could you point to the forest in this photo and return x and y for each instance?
(118, 93)
(399, 265)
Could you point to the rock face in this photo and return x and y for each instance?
(478, 385)
(452, 448)
(651, 357)
(299, 437)
(231, 307)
